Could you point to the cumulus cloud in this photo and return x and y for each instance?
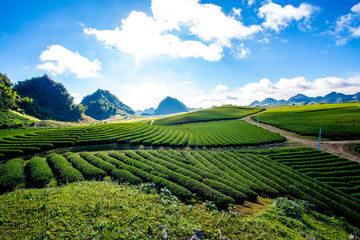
(278, 17)
(209, 27)
(142, 36)
(206, 21)
(220, 88)
(284, 88)
(60, 60)
(347, 26)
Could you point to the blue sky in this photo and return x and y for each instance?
(204, 53)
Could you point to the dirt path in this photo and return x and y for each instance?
(339, 148)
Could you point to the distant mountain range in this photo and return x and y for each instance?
(301, 99)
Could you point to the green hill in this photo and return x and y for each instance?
(211, 114)
(337, 121)
(81, 211)
(170, 105)
(102, 104)
(51, 100)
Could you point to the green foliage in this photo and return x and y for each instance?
(125, 176)
(11, 174)
(338, 121)
(80, 211)
(102, 105)
(210, 114)
(11, 119)
(51, 100)
(63, 170)
(323, 166)
(38, 172)
(8, 97)
(89, 171)
(107, 167)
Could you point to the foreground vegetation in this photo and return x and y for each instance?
(224, 177)
(211, 114)
(340, 173)
(339, 121)
(105, 210)
(208, 134)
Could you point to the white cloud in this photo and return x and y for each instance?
(241, 51)
(143, 36)
(221, 88)
(206, 21)
(284, 88)
(251, 2)
(347, 26)
(153, 89)
(278, 17)
(59, 60)
(356, 8)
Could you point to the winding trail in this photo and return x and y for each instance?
(339, 148)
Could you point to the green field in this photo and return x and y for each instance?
(223, 177)
(211, 114)
(337, 121)
(80, 211)
(12, 119)
(207, 134)
(196, 171)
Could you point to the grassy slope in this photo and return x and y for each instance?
(86, 210)
(211, 114)
(15, 119)
(336, 120)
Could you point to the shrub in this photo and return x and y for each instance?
(125, 176)
(11, 174)
(63, 170)
(38, 172)
(89, 171)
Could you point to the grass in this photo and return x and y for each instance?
(13, 119)
(106, 210)
(211, 114)
(337, 121)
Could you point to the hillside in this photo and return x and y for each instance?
(51, 100)
(80, 211)
(102, 104)
(170, 105)
(301, 99)
(211, 114)
(337, 121)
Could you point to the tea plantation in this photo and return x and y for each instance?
(216, 113)
(223, 177)
(337, 121)
(196, 135)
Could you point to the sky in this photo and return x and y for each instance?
(204, 53)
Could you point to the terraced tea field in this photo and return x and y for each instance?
(208, 134)
(337, 121)
(212, 114)
(340, 173)
(224, 177)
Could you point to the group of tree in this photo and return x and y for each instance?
(43, 98)
(40, 97)
(102, 105)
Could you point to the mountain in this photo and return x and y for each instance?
(46, 99)
(102, 105)
(146, 112)
(301, 99)
(170, 105)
